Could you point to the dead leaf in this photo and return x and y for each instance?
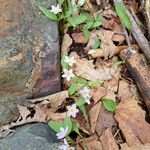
(101, 73)
(136, 147)
(112, 87)
(108, 140)
(66, 42)
(124, 90)
(93, 115)
(131, 120)
(105, 120)
(98, 93)
(79, 38)
(107, 45)
(91, 143)
(55, 100)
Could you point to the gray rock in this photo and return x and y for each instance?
(29, 54)
(36, 136)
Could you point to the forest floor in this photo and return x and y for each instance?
(103, 104)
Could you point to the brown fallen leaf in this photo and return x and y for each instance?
(66, 43)
(131, 120)
(108, 140)
(112, 87)
(79, 38)
(107, 45)
(91, 143)
(83, 66)
(93, 115)
(36, 113)
(55, 100)
(105, 120)
(98, 93)
(124, 90)
(139, 146)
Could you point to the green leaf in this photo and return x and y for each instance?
(72, 89)
(79, 80)
(61, 2)
(98, 21)
(96, 42)
(75, 127)
(83, 110)
(68, 123)
(121, 11)
(63, 63)
(86, 33)
(79, 102)
(48, 13)
(109, 104)
(55, 125)
(95, 84)
(74, 21)
(69, 12)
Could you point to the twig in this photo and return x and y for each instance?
(137, 33)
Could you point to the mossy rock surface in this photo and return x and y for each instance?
(29, 54)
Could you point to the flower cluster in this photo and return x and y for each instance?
(68, 74)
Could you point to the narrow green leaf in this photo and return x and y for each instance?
(83, 110)
(96, 43)
(69, 12)
(80, 102)
(98, 21)
(80, 80)
(63, 63)
(61, 2)
(121, 11)
(95, 84)
(109, 104)
(86, 33)
(55, 125)
(48, 13)
(72, 89)
(68, 123)
(74, 21)
(75, 127)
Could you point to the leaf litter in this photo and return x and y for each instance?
(100, 125)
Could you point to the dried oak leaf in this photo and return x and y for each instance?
(105, 120)
(91, 143)
(108, 140)
(112, 87)
(139, 146)
(107, 46)
(93, 116)
(55, 100)
(86, 69)
(124, 90)
(131, 120)
(79, 38)
(66, 43)
(98, 93)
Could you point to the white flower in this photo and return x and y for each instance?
(85, 93)
(70, 61)
(72, 110)
(62, 133)
(68, 74)
(56, 9)
(81, 2)
(65, 146)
